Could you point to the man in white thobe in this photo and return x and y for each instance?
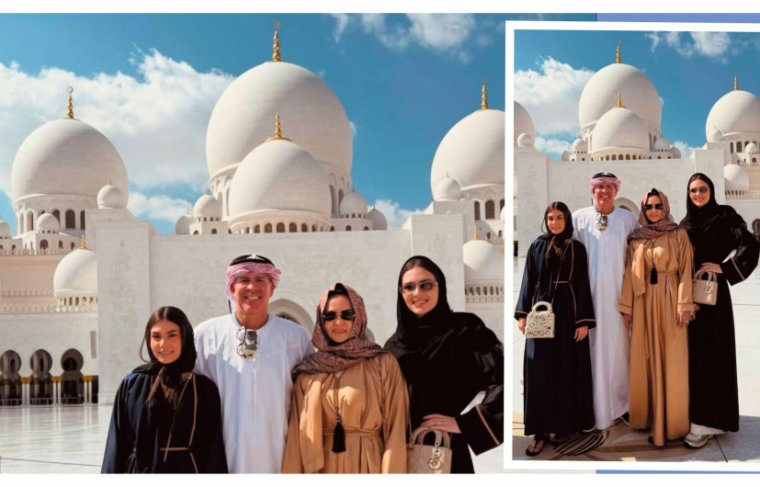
(604, 230)
(250, 354)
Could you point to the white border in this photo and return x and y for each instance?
(574, 465)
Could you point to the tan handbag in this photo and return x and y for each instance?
(540, 324)
(434, 458)
(705, 291)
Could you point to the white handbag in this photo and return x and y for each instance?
(540, 324)
(705, 291)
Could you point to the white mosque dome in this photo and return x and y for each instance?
(5, 229)
(48, 223)
(675, 153)
(620, 128)
(752, 148)
(735, 112)
(580, 145)
(76, 274)
(207, 207)
(482, 262)
(714, 135)
(525, 140)
(662, 144)
(447, 189)
(523, 122)
(636, 88)
(472, 152)
(111, 198)
(279, 175)
(736, 178)
(312, 115)
(182, 227)
(379, 222)
(66, 157)
(353, 205)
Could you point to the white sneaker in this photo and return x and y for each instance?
(696, 441)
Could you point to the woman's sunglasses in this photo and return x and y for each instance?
(658, 206)
(346, 315)
(410, 287)
(700, 189)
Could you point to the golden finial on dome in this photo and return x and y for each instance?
(276, 45)
(476, 235)
(618, 55)
(70, 113)
(277, 129)
(736, 83)
(83, 242)
(619, 103)
(484, 97)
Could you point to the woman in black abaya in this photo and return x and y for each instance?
(447, 359)
(715, 232)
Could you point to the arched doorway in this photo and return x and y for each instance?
(41, 390)
(72, 380)
(289, 310)
(10, 379)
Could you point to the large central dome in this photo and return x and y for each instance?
(636, 88)
(242, 118)
(736, 112)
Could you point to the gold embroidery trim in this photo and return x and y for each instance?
(485, 423)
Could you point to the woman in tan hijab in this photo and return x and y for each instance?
(350, 402)
(656, 303)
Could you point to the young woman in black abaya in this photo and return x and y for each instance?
(166, 419)
(447, 359)
(558, 396)
(715, 231)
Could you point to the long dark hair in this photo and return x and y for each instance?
(169, 375)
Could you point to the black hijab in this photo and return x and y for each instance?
(555, 248)
(704, 218)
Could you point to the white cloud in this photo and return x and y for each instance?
(157, 207)
(552, 146)
(685, 148)
(157, 120)
(551, 95)
(341, 23)
(352, 125)
(445, 33)
(393, 212)
(706, 44)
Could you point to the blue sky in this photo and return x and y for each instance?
(149, 83)
(691, 71)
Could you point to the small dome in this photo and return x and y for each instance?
(111, 198)
(379, 222)
(76, 275)
(751, 148)
(482, 262)
(620, 128)
(637, 90)
(207, 206)
(66, 157)
(736, 178)
(472, 152)
(182, 227)
(48, 223)
(675, 153)
(447, 189)
(523, 122)
(525, 140)
(5, 229)
(279, 175)
(353, 205)
(580, 145)
(736, 112)
(714, 135)
(662, 144)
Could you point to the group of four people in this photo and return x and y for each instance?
(247, 393)
(654, 358)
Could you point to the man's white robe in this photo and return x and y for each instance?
(255, 392)
(609, 340)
